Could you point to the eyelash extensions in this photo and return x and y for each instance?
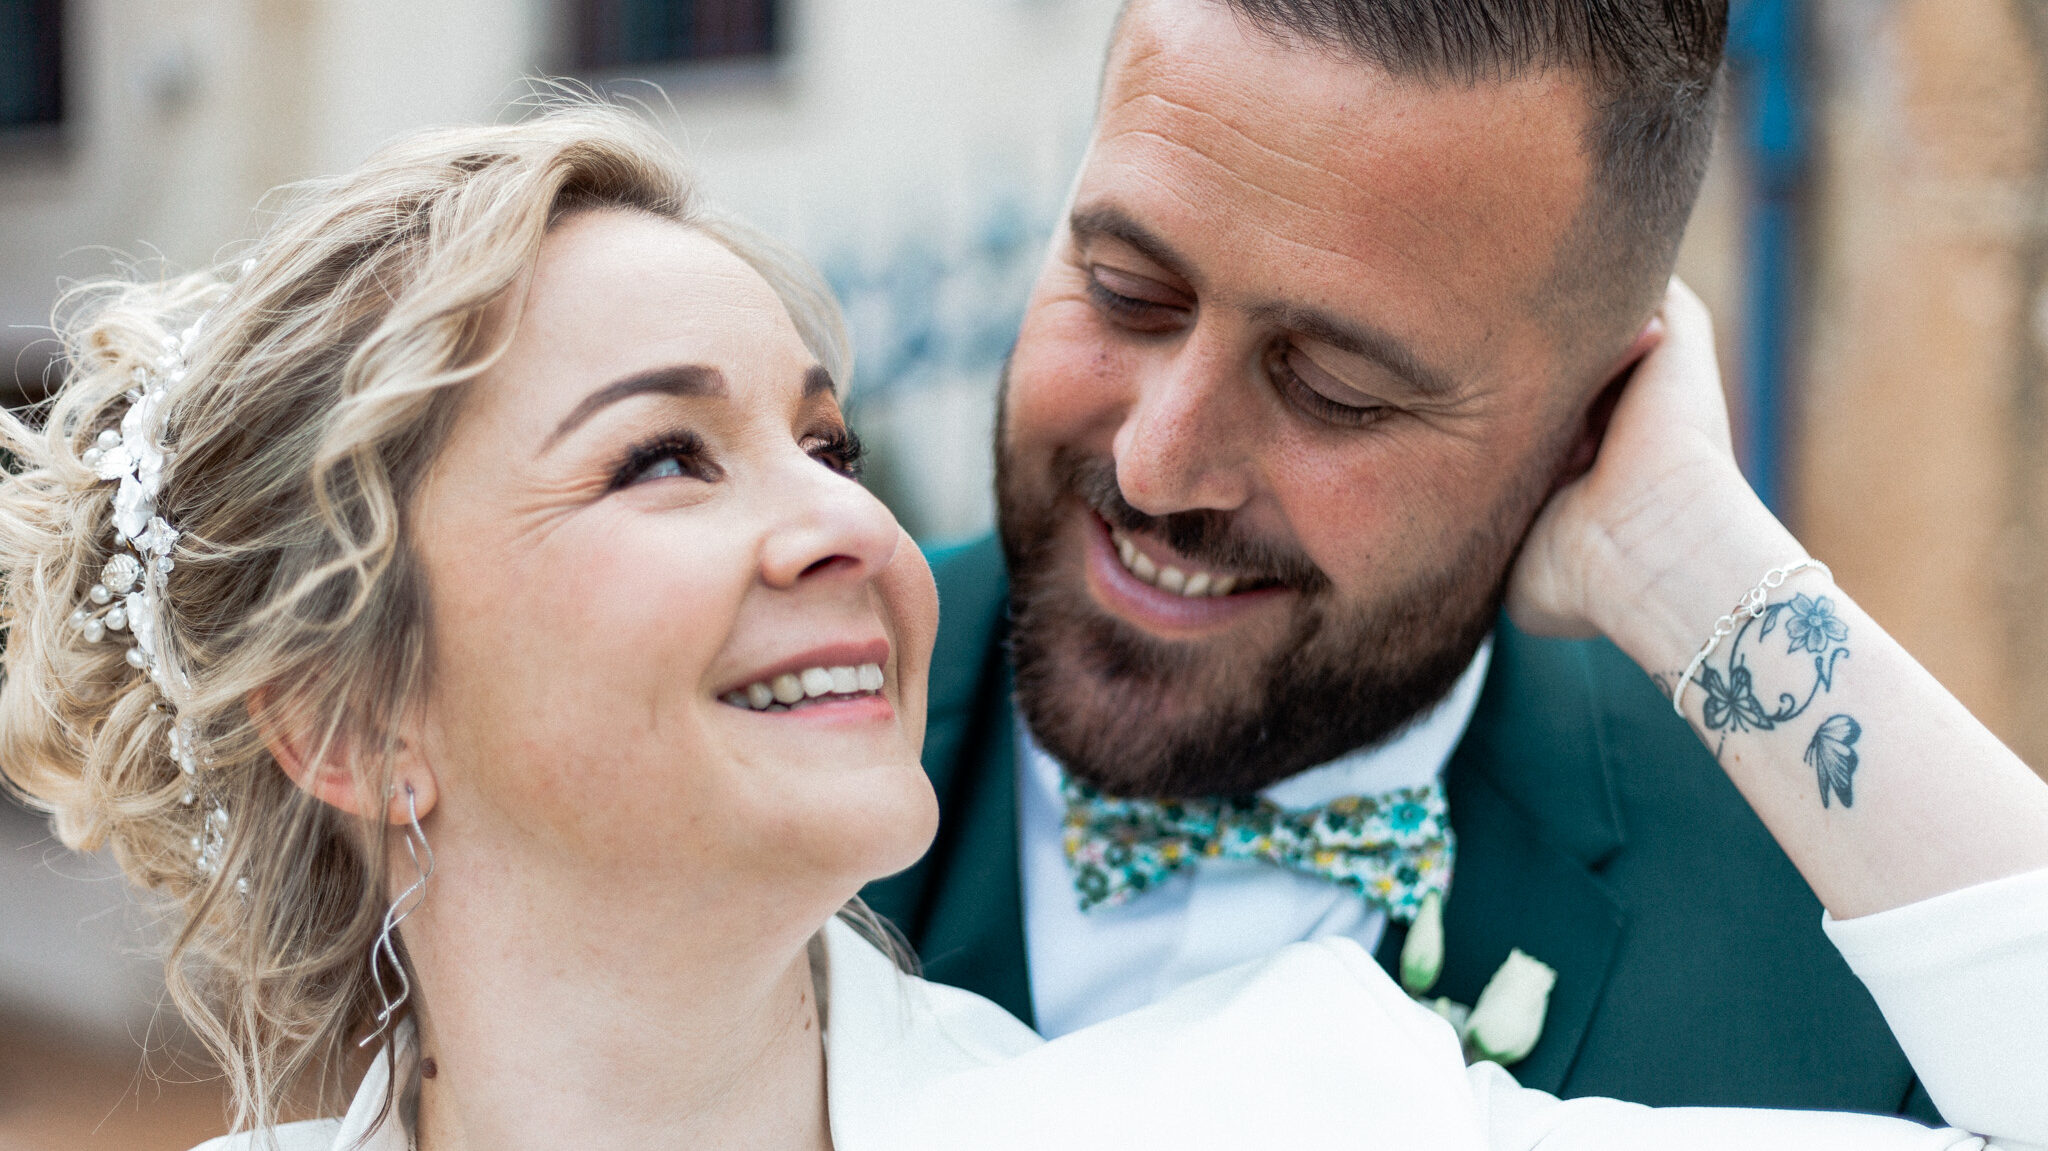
(685, 448)
(837, 448)
(847, 455)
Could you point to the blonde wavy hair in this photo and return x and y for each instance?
(321, 387)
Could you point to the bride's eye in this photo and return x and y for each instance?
(838, 449)
(677, 455)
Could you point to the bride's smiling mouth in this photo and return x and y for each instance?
(842, 674)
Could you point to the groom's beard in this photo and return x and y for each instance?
(1142, 716)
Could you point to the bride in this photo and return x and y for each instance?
(465, 613)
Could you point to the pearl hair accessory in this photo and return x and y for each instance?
(129, 594)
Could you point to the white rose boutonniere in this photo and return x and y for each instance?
(1506, 1023)
(1508, 1019)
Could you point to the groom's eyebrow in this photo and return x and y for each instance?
(1364, 340)
(1113, 223)
(674, 380)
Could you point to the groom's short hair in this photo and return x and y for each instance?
(1652, 74)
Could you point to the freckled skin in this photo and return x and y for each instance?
(1284, 178)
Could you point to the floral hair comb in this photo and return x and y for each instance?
(129, 595)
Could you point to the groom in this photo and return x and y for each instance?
(1344, 292)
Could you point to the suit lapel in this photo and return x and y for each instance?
(972, 929)
(1534, 813)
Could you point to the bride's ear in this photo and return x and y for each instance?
(321, 763)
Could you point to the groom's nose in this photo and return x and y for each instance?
(1188, 440)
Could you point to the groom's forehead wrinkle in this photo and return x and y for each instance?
(1445, 202)
(1287, 240)
(1243, 177)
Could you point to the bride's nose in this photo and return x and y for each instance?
(826, 527)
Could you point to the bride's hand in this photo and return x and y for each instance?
(1661, 536)
(1663, 484)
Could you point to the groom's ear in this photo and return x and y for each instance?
(327, 764)
(1593, 428)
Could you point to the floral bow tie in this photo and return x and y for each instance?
(1393, 849)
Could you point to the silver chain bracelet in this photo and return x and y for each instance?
(1751, 607)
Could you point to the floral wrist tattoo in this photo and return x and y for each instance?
(1811, 630)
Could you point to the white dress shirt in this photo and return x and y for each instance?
(1314, 1046)
(1089, 966)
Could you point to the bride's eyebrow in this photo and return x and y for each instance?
(674, 380)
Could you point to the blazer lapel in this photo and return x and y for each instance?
(1535, 816)
(972, 929)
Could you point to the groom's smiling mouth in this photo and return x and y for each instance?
(1138, 577)
(1190, 582)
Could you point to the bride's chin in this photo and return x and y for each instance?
(894, 823)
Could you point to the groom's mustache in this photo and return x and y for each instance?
(1209, 538)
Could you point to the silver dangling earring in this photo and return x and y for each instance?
(384, 952)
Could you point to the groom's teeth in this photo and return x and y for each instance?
(792, 688)
(1192, 585)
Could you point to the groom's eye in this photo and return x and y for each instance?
(1311, 391)
(1135, 302)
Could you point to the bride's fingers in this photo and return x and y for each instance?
(1678, 384)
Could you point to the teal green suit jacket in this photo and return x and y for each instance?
(1594, 833)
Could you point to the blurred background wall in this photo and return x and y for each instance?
(1870, 237)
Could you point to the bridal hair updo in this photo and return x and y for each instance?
(321, 385)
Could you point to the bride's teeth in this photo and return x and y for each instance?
(1126, 549)
(791, 688)
(787, 688)
(1198, 586)
(1144, 568)
(1224, 585)
(1172, 579)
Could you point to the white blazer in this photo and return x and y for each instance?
(1316, 1046)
